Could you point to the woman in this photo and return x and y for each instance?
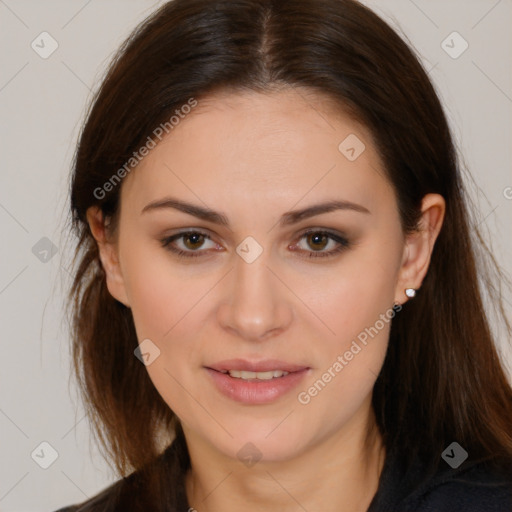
(276, 305)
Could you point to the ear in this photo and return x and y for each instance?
(419, 246)
(109, 256)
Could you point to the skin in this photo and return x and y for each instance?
(254, 157)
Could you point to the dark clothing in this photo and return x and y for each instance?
(471, 487)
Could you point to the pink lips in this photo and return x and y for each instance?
(253, 392)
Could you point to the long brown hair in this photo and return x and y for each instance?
(442, 379)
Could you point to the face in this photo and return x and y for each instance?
(313, 291)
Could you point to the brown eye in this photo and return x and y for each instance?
(196, 240)
(187, 243)
(317, 240)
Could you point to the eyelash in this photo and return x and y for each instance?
(343, 244)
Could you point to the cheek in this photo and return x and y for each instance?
(351, 296)
(168, 308)
(164, 306)
(350, 360)
(355, 310)
(161, 296)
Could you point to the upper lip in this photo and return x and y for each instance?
(256, 366)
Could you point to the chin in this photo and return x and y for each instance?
(265, 442)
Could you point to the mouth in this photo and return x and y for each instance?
(256, 383)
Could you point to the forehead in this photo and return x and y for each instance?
(277, 146)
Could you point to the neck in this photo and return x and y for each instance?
(341, 472)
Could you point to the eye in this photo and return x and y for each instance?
(319, 240)
(191, 241)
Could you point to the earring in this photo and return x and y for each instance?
(410, 292)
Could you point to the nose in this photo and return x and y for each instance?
(257, 304)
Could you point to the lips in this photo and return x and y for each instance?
(255, 391)
(256, 366)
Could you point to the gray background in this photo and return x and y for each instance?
(42, 104)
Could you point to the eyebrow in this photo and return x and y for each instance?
(288, 218)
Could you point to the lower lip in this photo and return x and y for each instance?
(252, 392)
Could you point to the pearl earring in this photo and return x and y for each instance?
(410, 292)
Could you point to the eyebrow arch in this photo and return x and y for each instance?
(288, 218)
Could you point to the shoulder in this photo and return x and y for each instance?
(133, 493)
(478, 489)
(107, 499)
(472, 487)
